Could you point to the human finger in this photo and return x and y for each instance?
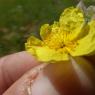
(13, 66)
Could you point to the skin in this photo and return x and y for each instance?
(18, 71)
(12, 67)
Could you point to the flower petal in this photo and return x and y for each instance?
(46, 54)
(72, 20)
(86, 46)
(32, 41)
(44, 31)
(80, 32)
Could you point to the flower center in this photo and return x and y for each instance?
(60, 41)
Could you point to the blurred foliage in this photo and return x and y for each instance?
(21, 18)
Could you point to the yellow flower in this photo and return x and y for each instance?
(69, 36)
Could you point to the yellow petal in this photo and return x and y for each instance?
(46, 54)
(44, 31)
(79, 33)
(32, 41)
(72, 20)
(86, 45)
(55, 27)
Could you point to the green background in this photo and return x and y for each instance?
(21, 18)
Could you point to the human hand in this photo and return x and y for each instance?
(12, 67)
(18, 71)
